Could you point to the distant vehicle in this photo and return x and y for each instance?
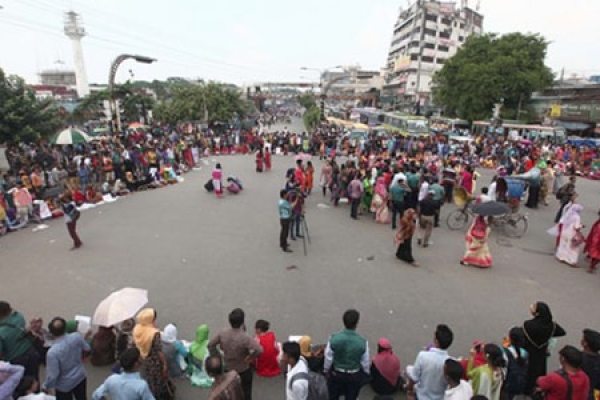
(356, 136)
(408, 125)
(535, 133)
(447, 125)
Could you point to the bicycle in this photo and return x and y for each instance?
(514, 225)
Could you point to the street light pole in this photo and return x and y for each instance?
(115, 121)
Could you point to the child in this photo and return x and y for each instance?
(267, 364)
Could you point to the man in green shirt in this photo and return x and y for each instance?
(438, 195)
(16, 345)
(397, 196)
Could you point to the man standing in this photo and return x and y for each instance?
(347, 359)
(438, 195)
(71, 217)
(239, 349)
(226, 385)
(426, 212)
(128, 385)
(15, 346)
(296, 383)
(285, 218)
(397, 195)
(64, 366)
(591, 359)
(570, 382)
(428, 371)
(355, 192)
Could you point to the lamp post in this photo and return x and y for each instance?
(324, 88)
(116, 122)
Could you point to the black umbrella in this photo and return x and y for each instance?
(491, 208)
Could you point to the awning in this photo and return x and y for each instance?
(575, 126)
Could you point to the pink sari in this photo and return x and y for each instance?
(379, 203)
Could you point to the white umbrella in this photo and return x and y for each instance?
(120, 306)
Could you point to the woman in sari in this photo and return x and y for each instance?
(310, 176)
(404, 237)
(260, 158)
(268, 158)
(592, 246)
(487, 379)
(197, 354)
(217, 175)
(154, 366)
(325, 177)
(538, 331)
(379, 204)
(477, 252)
(314, 355)
(570, 236)
(367, 196)
(385, 370)
(335, 188)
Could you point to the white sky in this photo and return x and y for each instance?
(261, 40)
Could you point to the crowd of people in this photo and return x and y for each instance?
(146, 361)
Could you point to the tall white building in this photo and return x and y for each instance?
(425, 35)
(76, 32)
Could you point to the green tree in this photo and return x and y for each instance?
(312, 118)
(188, 101)
(490, 69)
(22, 116)
(306, 101)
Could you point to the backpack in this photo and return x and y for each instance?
(516, 377)
(209, 186)
(317, 384)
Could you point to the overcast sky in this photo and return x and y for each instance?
(260, 40)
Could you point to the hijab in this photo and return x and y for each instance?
(380, 187)
(407, 224)
(305, 343)
(540, 329)
(169, 334)
(198, 348)
(144, 331)
(386, 362)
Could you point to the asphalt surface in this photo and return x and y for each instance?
(200, 257)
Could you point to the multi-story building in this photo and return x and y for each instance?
(426, 34)
(353, 83)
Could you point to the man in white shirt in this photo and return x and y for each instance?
(424, 190)
(296, 383)
(458, 389)
(485, 197)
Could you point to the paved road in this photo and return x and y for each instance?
(200, 257)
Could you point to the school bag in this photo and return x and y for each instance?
(516, 377)
(317, 384)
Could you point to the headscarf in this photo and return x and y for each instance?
(169, 334)
(71, 326)
(386, 362)
(305, 343)
(144, 331)
(407, 225)
(198, 348)
(572, 215)
(380, 187)
(541, 328)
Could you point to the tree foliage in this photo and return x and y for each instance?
(312, 118)
(306, 101)
(188, 100)
(490, 69)
(22, 116)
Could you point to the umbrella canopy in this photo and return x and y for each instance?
(137, 125)
(70, 136)
(491, 208)
(120, 306)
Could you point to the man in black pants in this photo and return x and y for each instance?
(285, 218)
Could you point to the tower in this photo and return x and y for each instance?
(75, 32)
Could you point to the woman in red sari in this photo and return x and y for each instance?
(268, 159)
(259, 160)
(477, 252)
(592, 246)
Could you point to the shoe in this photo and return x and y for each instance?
(299, 236)
(287, 250)
(293, 238)
(426, 245)
(419, 242)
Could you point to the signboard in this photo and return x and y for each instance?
(402, 63)
(555, 110)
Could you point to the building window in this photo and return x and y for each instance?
(462, 26)
(441, 60)
(446, 21)
(429, 46)
(413, 44)
(443, 48)
(414, 57)
(461, 38)
(427, 59)
(431, 17)
(445, 34)
(430, 32)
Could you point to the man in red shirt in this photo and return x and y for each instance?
(569, 383)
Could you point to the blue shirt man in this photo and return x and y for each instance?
(64, 367)
(127, 386)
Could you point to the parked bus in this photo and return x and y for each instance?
(534, 133)
(448, 125)
(407, 124)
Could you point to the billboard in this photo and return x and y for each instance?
(402, 63)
